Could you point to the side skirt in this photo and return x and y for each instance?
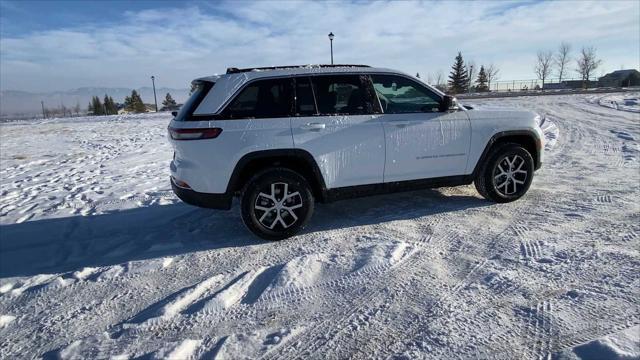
(349, 192)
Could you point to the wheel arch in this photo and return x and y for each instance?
(297, 160)
(526, 138)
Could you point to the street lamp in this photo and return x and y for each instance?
(153, 81)
(331, 42)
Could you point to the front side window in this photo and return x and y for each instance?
(262, 99)
(401, 95)
(343, 94)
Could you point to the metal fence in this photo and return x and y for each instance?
(536, 84)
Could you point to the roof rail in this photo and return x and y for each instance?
(233, 70)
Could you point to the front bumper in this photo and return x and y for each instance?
(206, 200)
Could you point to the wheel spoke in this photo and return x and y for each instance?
(515, 187)
(292, 207)
(293, 215)
(258, 207)
(515, 181)
(267, 196)
(289, 196)
(264, 216)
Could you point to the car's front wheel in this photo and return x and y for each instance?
(506, 174)
(277, 204)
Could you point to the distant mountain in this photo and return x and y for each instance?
(13, 102)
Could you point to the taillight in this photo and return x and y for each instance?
(194, 134)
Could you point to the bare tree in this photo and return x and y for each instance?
(492, 74)
(562, 58)
(587, 63)
(471, 73)
(437, 80)
(77, 108)
(543, 65)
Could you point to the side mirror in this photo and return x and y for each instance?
(448, 103)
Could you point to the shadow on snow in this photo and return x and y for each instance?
(68, 244)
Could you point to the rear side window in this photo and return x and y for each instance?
(343, 94)
(398, 95)
(262, 99)
(305, 103)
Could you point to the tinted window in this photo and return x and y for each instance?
(401, 95)
(305, 104)
(262, 99)
(343, 94)
(201, 89)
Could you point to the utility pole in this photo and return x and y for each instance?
(43, 115)
(153, 81)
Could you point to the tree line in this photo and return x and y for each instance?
(548, 61)
(132, 104)
(463, 78)
(466, 77)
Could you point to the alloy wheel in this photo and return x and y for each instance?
(278, 206)
(510, 175)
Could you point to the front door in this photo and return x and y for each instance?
(421, 141)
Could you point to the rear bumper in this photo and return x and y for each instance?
(206, 200)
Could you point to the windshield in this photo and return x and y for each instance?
(197, 94)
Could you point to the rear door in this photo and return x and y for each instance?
(421, 141)
(336, 121)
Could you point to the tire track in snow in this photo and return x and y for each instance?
(317, 338)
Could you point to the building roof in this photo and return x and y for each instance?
(621, 73)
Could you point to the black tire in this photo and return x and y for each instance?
(506, 174)
(278, 223)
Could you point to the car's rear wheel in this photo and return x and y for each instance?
(277, 204)
(506, 174)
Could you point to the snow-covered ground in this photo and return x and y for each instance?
(99, 259)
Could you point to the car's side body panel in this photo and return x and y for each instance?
(206, 165)
(349, 150)
(485, 124)
(426, 145)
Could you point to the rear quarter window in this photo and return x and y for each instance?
(270, 98)
(186, 111)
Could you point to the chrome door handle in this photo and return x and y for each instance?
(313, 126)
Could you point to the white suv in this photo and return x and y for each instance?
(282, 138)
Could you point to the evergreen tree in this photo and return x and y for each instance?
(458, 78)
(90, 108)
(127, 103)
(98, 107)
(114, 107)
(134, 103)
(138, 103)
(418, 75)
(168, 102)
(107, 106)
(482, 81)
(110, 107)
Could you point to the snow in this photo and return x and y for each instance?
(98, 259)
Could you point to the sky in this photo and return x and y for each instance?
(61, 45)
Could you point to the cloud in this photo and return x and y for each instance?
(179, 44)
